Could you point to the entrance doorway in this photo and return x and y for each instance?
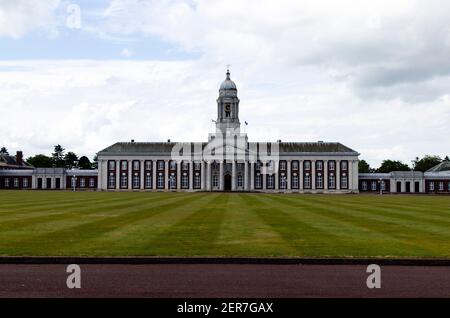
(58, 183)
(399, 186)
(408, 186)
(48, 184)
(227, 183)
(416, 186)
(39, 183)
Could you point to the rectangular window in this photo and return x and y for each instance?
(215, 181)
(25, 182)
(185, 166)
(239, 181)
(295, 165)
(136, 165)
(136, 181)
(332, 182)
(295, 181)
(112, 165)
(148, 180)
(148, 165)
(111, 181)
(364, 185)
(441, 186)
(283, 182)
(374, 186)
(258, 181)
(431, 185)
(160, 181)
(344, 184)
(307, 165)
(173, 165)
(383, 186)
(16, 182)
(344, 165)
(448, 186)
(123, 180)
(160, 165)
(319, 181)
(74, 182)
(173, 181)
(319, 165)
(331, 165)
(197, 166)
(197, 181)
(185, 181)
(91, 182)
(270, 181)
(307, 181)
(124, 165)
(258, 165)
(82, 182)
(282, 165)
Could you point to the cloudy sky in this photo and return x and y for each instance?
(374, 75)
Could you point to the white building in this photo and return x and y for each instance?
(228, 161)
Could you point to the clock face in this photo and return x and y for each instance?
(227, 107)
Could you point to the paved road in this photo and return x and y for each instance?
(218, 280)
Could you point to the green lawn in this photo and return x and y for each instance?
(223, 224)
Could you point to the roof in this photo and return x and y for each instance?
(443, 166)
(9, 162)
(295, 147)
(165, 148)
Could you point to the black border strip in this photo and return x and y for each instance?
(220, 260)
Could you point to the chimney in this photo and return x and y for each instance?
(19, 158)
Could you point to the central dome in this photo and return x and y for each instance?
(228, 84)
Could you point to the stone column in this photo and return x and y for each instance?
(208, 176)
(141, 173)
(288, 176)
(246, 176)
(221, 186)
(276, 174)
(203, 176)
(233, 176)
(179, 175)
(300, 174)
(252, 176)
(154, 183)
(117, 175)
(191, 175)
(166, 174)
(313, 174)
(338, 174)
(130, 174)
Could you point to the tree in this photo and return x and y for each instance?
(70, 158)
(94, 164)
(447, 158)
(40, 161)
(58, 156)
(4, 151)
(426, 163)
(363, 167)
(392, 165)
(84, 163)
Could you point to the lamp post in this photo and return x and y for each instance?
(74, 182)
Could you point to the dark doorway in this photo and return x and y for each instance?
(408, 186)
(58, 183)
(399, 186)
(227, 182)
(39, 183)
(416, 186)
(49, 183)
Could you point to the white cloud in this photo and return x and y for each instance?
(19, 17)
(126, 52)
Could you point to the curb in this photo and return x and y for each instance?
(220, 260)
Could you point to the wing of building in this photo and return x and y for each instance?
(226, 161)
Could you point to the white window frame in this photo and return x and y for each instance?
(197, 181)
(307, 181)
(240, 182)
(332, 182)
(344, 165)
(25, 182)
(294, 165)
(215, 181)
(160, 181)
(364, 185)
(185, 181)
(112, 165)
(307, 165)
(136, 181)
(441, 185)
(373, 186)
(82, 182)
(319, 181)
(295, 181)
(123, 181)
(258, 181)
(91, 182)
(123, 165)
(283, 183)
(161, 164)
(270, 181)
(283, 165)
(319, 165)
(331, 165)
(136, 165)
(16, 182)
(148, 181)
(431, 185)
(111, 181)
(344, 182)
(148, 165)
